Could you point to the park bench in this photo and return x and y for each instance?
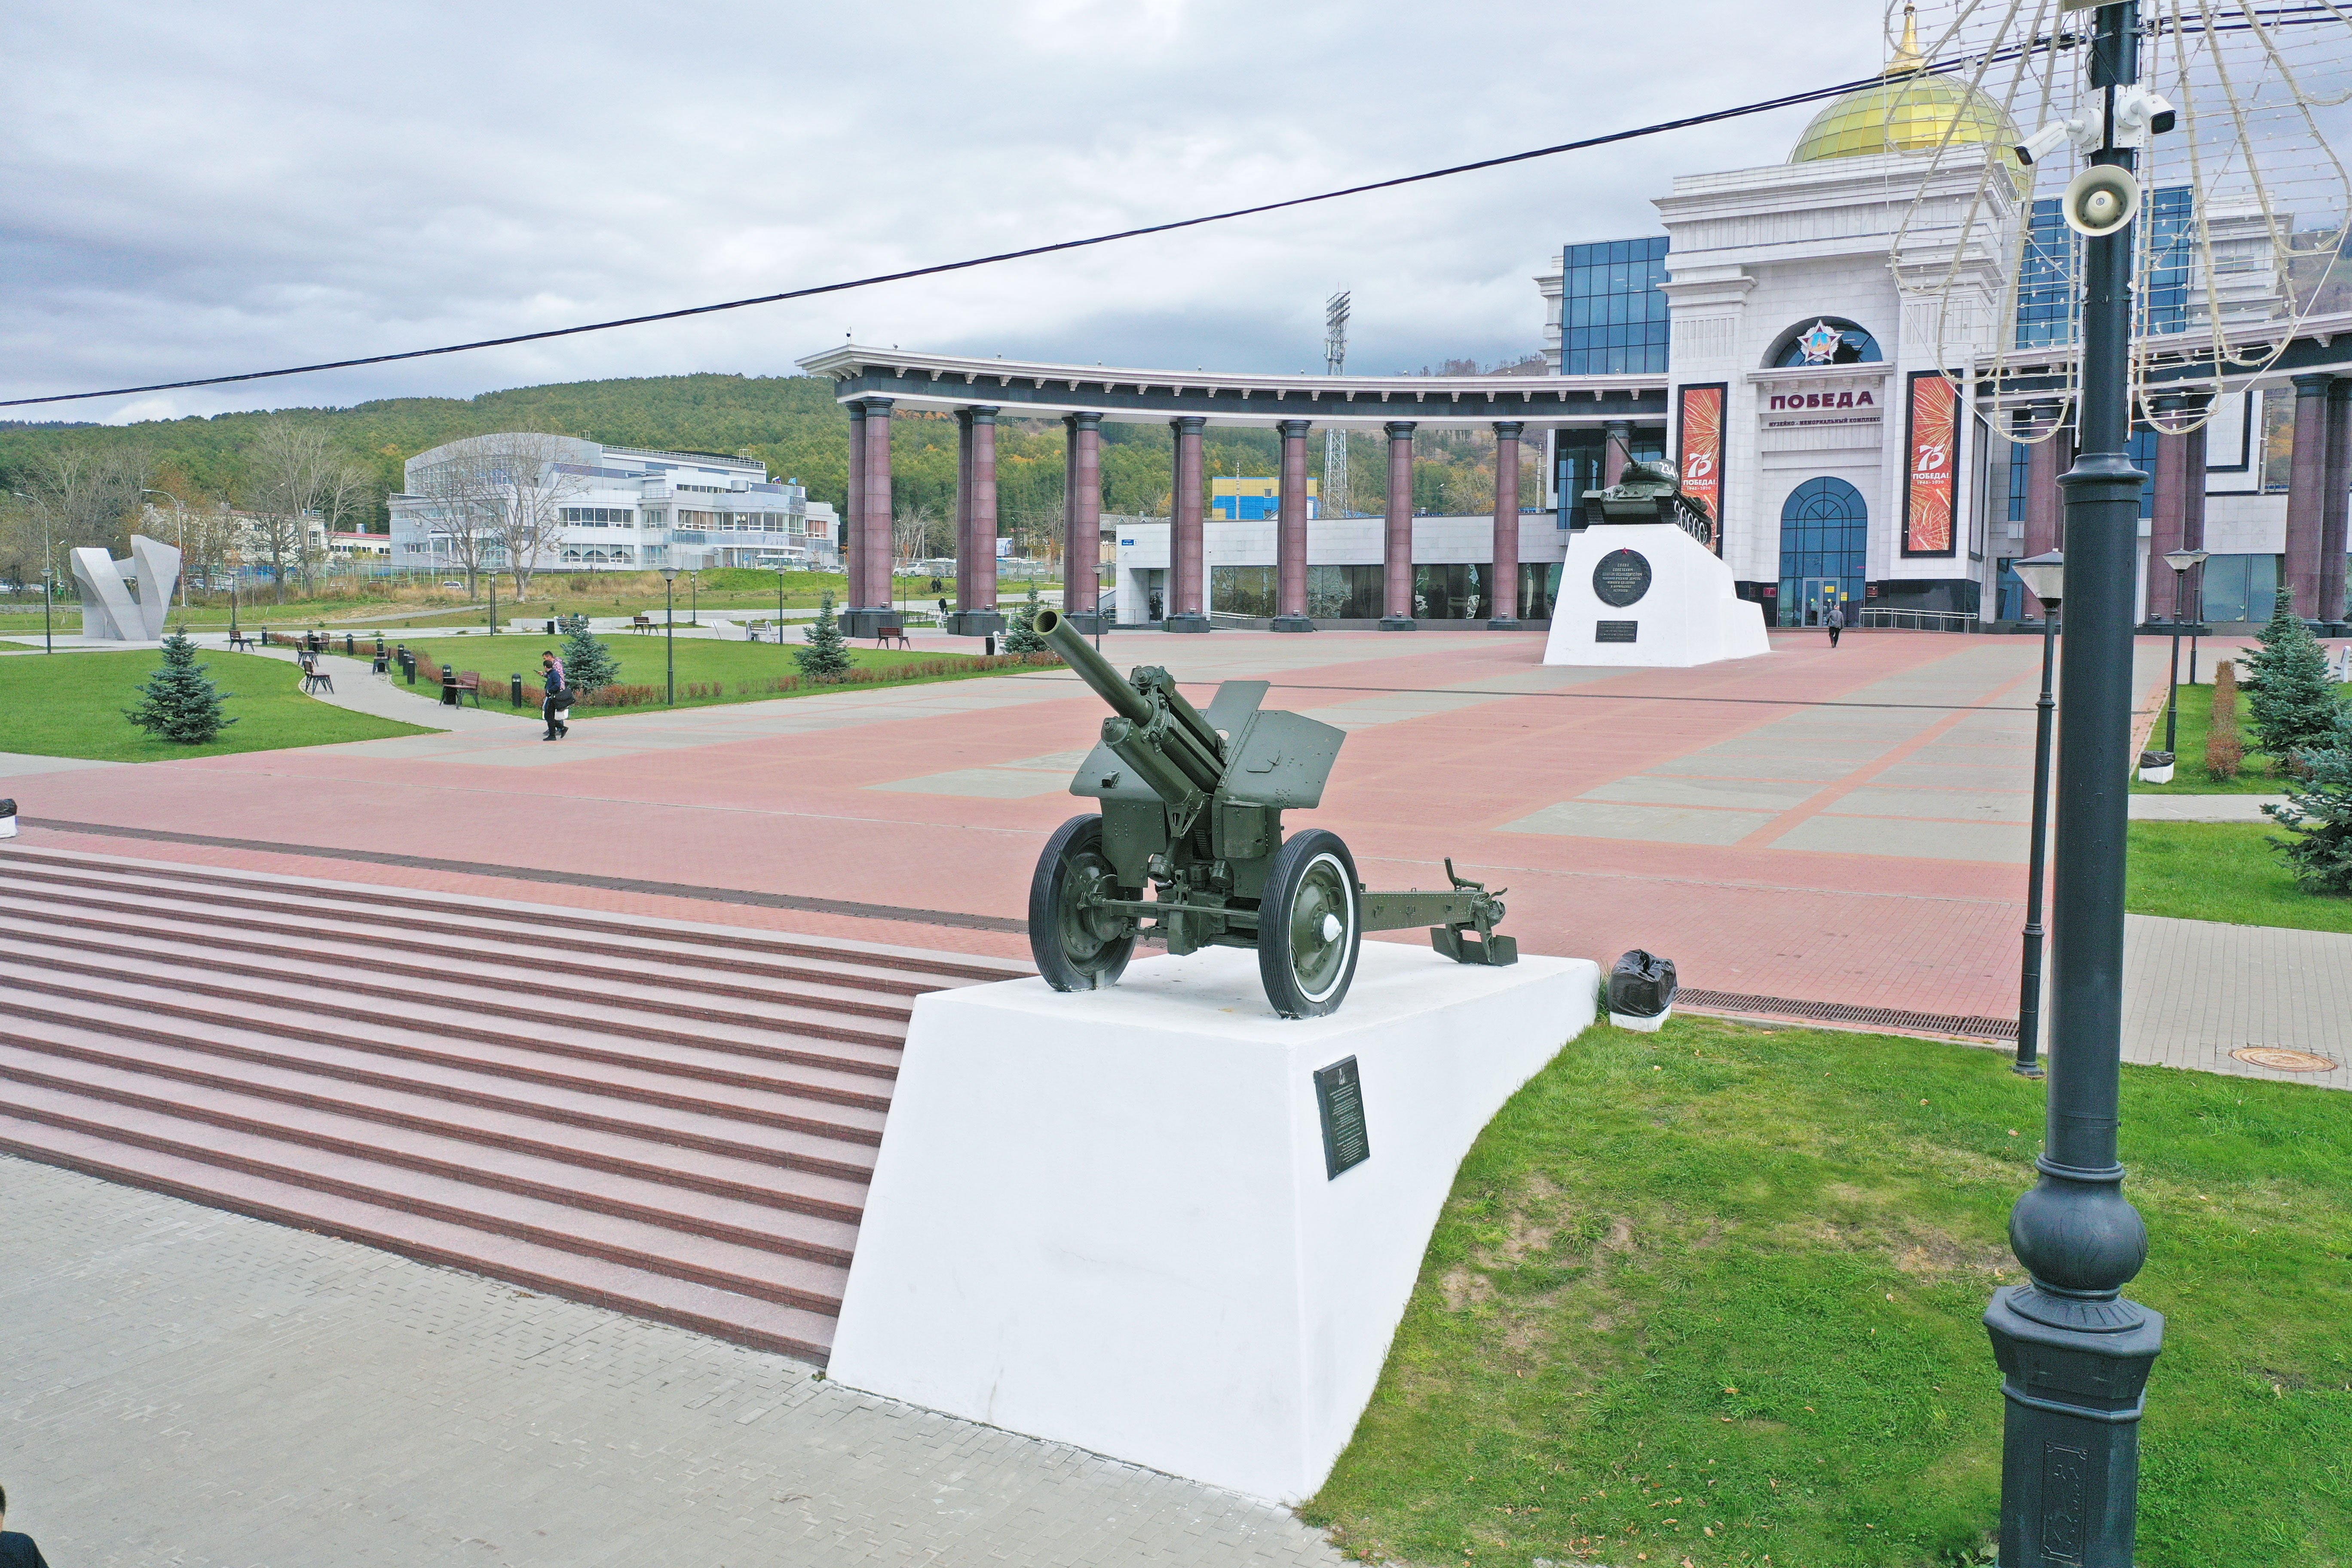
(469, 684)
(889, 633)
(642, 624)
(315, 680)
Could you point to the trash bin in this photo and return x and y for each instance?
(7, 819)
(1640, 991)
(2156, 767)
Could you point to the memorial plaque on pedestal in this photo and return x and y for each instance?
(1621, 578)
(1616, 631)
(1339, 1098)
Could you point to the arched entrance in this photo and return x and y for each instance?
(1824, 551)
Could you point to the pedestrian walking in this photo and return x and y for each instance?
(558, 688)
(16, 1549)
(1836, 622)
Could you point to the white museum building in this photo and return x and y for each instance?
(627, 509)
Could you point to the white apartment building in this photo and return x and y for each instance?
(633, 508)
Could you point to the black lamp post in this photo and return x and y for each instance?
(693, 598)
(2044, 576)
(779, 603)
(2073, 1352)
(2180, 561)
(669, 628)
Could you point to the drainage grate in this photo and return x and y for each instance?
(1841, 1013)
(2283, 1059)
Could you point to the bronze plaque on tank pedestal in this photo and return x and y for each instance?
(1616, 631)
(1621, 578)
(1339, 1098)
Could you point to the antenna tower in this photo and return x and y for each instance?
(1335, 441)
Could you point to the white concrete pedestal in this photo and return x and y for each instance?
(1105, 1218)
(1690, 614)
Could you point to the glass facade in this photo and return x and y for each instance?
(1333, 593)
(2045, 279)
(2169, 236)
(2240, 587)
(1451, 593)
(2165, 240)
(1824, 549)
(1612, 314)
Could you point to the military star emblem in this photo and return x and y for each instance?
(1820, 343)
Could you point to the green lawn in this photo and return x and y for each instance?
(71, 705)
(2223, 871)
(1716, 1293)
(699, 660)
(2190, 777)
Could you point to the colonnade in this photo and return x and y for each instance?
(867, 544)
(2319, 497)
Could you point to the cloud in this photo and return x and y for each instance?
(254, 184)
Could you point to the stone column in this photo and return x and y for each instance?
(963, 509)
(1396, 549)
(2306, 492)
(1188, 572)
(975, 613)
(1616, 451)
(1502, 595)
(2333, 513)
(853, 517)
(1290, 537)
(1082, 517)
(875, 549)
(2169, 526)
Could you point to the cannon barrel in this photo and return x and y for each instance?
(1092, 668)
(1152, 715)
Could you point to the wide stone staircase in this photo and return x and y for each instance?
(673, 1119)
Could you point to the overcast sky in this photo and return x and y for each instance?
(190, 191)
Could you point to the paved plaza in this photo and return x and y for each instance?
(195, 1388)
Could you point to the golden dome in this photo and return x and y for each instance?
(1909, 113)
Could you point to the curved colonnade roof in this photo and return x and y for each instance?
(1035, 390)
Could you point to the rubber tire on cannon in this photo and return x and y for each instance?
(1310, 925)
(1075, 949)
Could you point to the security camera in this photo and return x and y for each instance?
(2048, 139)
(2140, 113)
(2100, 200)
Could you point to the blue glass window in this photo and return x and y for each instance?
(2165, 235)
(1612, 313)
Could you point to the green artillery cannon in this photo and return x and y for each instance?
(1191, 814)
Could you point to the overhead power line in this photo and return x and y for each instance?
(2286, 16)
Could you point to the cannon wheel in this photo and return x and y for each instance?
(1309, 924)
(1076, 949)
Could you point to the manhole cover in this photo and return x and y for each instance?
(2283, 1059)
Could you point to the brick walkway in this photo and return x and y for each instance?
(195, 1388)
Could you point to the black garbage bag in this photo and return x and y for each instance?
(1641, 985)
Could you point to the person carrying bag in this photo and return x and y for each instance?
(557, 709)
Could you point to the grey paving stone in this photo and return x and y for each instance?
(1650, 823)
(1644, 789)
(195, 1388)
(1938, 805)
(1913, 840)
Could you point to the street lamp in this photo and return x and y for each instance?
(2075, 1353)
(2180, 561)
(670, 627)
(693, 598)
(781, 568)
(2044, 577)
(180, 511)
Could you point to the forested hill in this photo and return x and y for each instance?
(791, 423)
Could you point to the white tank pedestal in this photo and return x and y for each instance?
(1690, 611)
(1105, 1218)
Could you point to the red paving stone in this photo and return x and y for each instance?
(792, 814)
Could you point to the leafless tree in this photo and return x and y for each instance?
(912, 532)
(288, 471)
(79, 495)
(499, 499)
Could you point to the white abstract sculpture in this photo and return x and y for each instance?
(108, 610)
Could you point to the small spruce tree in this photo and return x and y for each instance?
(2318, 813)
(588, 664)
(826, 655)
(179, 704)
(2293, 704)
(1022, 636)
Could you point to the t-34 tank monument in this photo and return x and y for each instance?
(1643, 583)
(1192, 810)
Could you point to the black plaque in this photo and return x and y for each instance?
(1621, 578)
(1339, 1098)
(1615, 631)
